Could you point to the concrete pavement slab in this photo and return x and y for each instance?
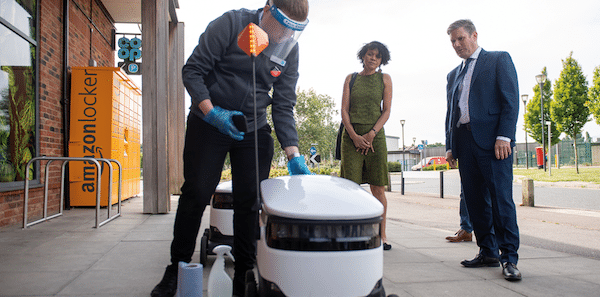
(114, 282)
(68, 257)
(48, 262)
(414, 272)
(552, 285)
(35, 283)
(71, 247)
(462, 288)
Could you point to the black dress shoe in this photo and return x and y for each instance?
(510, 271)
(481, 261)
(387, 246)
(168, 285)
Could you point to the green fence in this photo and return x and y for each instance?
(566, 154)
(521, 161)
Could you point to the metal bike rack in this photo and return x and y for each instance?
(109, 204)
(66, 160)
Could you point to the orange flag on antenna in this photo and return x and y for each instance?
(253, 40)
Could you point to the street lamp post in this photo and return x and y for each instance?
(403, 147)
(424, 155)
(541, 78)
(524, 98)
(549, 148)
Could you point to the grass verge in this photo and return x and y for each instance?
(586, 174)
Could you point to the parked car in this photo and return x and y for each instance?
(429, 161)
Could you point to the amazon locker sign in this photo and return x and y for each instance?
(96, 131)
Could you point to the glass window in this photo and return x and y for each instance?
(17, 89)
(20, 14)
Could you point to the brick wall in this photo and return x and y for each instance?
(84, 44)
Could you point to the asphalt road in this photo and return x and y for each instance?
(544, 195)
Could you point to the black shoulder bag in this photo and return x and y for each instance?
(338, 142)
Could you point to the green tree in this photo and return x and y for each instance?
(568, 110)
(315, 124)
(533, 124)
(594, 96)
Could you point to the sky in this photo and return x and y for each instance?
(537, 34)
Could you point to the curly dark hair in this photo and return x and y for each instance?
(383, 51)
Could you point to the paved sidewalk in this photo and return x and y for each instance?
(127, 257)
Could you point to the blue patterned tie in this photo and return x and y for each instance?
(458, 91)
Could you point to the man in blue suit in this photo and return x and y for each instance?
(481, 121)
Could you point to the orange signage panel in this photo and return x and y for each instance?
(101, 99)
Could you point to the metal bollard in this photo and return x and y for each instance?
(402, 182)
(528, 192)
(441, 184)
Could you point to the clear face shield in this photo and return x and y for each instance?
(283, 34)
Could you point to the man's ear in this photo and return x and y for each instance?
(266, 10)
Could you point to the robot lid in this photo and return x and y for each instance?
(224, 187)
(318, 197)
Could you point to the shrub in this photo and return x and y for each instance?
(394, 166)
(325, 170)
(282, 171)
(226, 174)
(278, 171)
(437, 167)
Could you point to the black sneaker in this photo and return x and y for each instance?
(168, 285)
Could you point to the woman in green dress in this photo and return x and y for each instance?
(365, 109)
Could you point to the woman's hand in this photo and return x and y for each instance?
(360, 142)
(364, 143)
(370, 136)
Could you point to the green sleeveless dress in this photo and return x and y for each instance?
(365, 109)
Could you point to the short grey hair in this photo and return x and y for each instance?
(467, 24)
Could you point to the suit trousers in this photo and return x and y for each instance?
(465, 220)
(487, 185)
(204, 155)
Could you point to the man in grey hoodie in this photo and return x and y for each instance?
(218, 76)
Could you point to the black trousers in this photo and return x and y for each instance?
(203, 158)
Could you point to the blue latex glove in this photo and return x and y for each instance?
(297, 166)
(222, 120)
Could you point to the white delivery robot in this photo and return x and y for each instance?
(220, 231)
(319, 236)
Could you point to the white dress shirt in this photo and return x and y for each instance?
(463, 101)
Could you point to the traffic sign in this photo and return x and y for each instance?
(131, 68)
(420, 147)
(315, 159)
(313, 150)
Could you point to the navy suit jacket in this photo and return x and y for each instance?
(493, 101)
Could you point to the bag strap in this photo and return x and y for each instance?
(352, 79)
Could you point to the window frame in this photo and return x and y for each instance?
(34, 182)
